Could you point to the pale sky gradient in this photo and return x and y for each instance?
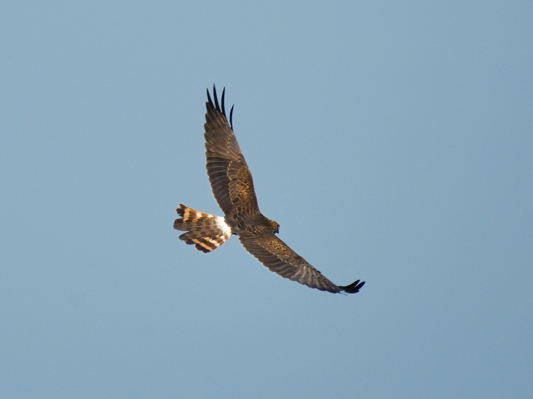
(393, 142)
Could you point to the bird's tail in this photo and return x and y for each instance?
(207, 232)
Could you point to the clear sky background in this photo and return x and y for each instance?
(393, 142)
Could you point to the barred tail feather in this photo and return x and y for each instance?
(207, 232)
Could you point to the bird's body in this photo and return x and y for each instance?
(233, 189)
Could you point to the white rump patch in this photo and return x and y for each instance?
(222, 225)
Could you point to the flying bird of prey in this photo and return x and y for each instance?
(233, 188)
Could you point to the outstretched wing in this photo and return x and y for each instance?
(279, 258)
(230, 178)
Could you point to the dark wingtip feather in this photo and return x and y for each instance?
(209, 98)
(222, 101)
(220, 107)
(353, 288)
(217, 106)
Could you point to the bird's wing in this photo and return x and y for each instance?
(230, 178)
(281, 259)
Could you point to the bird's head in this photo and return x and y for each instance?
(274, 226)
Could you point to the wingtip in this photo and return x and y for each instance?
(217, 106)
(209, 100)
(222, 101)
(353, 288)
(213, 102)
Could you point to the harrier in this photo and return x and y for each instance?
(233, 188)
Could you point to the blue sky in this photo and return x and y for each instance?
(393, 142)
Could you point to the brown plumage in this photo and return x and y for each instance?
(233, 188)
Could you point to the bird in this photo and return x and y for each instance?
(233, 188)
